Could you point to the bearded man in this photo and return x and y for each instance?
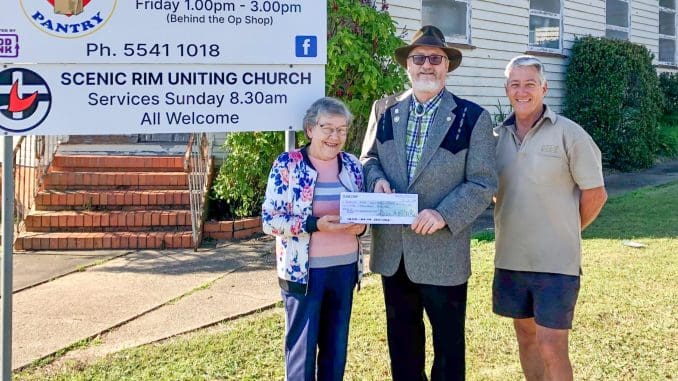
(429, 142)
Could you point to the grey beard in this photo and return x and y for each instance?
(425, 86)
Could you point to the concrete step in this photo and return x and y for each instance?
(111, 200)
(104, 240)
(103, 139)
(112, 163)
(136, 149)
(95, 221)
(115, 180)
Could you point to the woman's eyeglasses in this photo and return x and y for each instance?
(328, 130)
(433, 59)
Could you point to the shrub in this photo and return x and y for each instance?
(612, 90)
(360, 67)
(668, 132)
(668, 82)
(668, 139)
(241, 181)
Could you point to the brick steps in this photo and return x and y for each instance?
(119, 163)
(90, 202)
(47, 221)
(104, 241)
(115, 180)
(107, 199)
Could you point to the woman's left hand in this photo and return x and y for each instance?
(332, 224)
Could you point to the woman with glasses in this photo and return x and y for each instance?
(319, 259)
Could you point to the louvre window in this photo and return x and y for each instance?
(617, 19)
(667, 31)
(546, 25)
(452, 17)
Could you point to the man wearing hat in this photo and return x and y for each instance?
(429, 142)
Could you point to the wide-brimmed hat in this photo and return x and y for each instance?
(429, 35)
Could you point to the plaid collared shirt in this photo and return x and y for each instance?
(417, 130)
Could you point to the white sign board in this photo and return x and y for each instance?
(81, 99)
(166, 31)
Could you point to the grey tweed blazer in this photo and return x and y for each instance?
(455, 176)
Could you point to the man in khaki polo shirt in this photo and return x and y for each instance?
(550, 188)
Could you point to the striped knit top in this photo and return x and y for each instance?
(329, 249)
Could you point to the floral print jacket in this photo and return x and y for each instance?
(288, 205)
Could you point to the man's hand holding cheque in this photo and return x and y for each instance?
(382, 186)
(428, 221)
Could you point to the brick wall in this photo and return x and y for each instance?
(228, 230)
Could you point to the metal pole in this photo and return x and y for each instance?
(289, 140)
(7, 241)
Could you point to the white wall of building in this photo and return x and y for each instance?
(500, 31)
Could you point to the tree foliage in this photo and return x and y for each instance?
(612, 90)
(361, 39)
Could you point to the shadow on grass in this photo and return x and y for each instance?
(483, 236)
(648, 212)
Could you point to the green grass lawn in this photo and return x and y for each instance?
(625, 324)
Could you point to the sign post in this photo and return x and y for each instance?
(7, 253)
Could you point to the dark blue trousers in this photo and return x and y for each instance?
(319, 321)
(446, 309)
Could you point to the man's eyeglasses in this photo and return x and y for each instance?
(434, 59)
(328, 129)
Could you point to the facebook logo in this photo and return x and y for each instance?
(306, 46)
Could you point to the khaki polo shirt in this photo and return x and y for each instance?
(537, 221)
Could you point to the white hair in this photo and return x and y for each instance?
(526, 60)
(326, 106)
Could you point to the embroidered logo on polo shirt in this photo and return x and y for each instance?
(549, 149)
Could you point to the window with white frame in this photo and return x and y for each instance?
(667, 31)
(546, 25)
(618, 19)
(452, 17)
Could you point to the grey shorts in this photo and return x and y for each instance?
(548, 298)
